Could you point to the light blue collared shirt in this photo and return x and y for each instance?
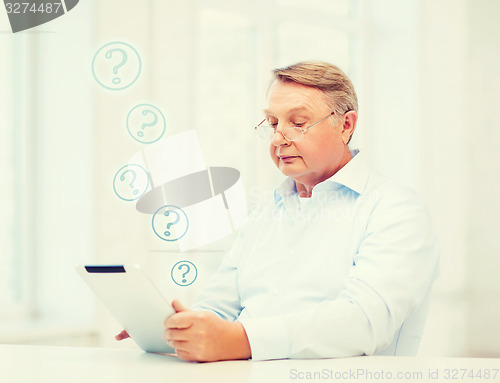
(347, 272)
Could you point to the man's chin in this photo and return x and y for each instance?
(289, 170)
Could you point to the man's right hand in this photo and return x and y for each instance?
(122, 335)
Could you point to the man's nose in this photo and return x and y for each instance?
(279, 139)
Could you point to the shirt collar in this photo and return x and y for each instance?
(285, 189)
(352, 175)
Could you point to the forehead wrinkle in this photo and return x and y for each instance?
(295, 109)
(286, 98)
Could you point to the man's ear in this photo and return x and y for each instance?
(349, 123)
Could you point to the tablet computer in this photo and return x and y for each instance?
(134, 301)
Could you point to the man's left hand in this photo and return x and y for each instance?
(204, 337)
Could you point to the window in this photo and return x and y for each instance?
(46, 163)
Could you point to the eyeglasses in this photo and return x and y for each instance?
(290, 133)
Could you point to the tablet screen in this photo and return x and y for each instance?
(134, 301)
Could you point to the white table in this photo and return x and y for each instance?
(40, 364)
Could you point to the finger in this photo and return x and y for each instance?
(122, 335)
(178, 306)
(179, 345)
(180, 320)
(177, 334)
(184, 355)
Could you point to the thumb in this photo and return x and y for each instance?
(178, 306)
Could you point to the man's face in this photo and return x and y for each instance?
(321, 153)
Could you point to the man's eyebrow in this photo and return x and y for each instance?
(293, 110)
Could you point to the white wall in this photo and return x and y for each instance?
(459, 83)
(444, 167)
(482, 135)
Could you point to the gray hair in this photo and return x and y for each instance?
(330, 79)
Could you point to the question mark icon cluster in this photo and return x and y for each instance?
(184, 273)
(116, 65)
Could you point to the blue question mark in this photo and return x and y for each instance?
(166, 214)
(109, 54)
(131, 183)
(152, 123)
(184, 280)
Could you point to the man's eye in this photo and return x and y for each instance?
(298, 124)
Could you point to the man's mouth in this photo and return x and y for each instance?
(287, 158)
